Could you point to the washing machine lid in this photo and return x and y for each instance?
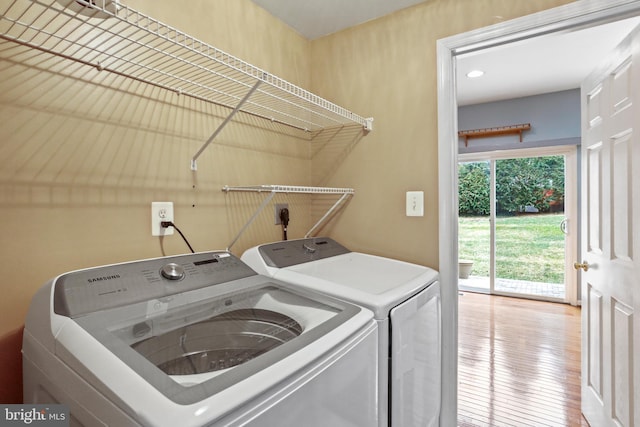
(322, 264)
(179, 339)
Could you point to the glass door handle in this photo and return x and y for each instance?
(563, 226)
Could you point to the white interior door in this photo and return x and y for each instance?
(611, 239)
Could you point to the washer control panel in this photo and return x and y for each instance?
(293, 252)
(86, 291)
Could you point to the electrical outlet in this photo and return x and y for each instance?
(161, 211)
(279, 207)
(415, 203)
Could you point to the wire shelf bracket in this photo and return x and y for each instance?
(272, 190)
(194, 164)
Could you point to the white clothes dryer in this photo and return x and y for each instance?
(198, 340)
(405, 300)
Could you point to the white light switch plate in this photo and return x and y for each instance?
(161, 211)
(415, 203)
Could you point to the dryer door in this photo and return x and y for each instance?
(415, 360)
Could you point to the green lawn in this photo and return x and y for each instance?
(528, 247)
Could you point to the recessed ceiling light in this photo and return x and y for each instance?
(475, 73)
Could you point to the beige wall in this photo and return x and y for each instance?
(84, 153)
(387, 69)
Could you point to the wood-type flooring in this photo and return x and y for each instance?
(519, 362)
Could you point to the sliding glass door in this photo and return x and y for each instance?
(530, 243)
(474, 225)
(513, 227)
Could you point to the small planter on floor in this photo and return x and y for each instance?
(464, 268)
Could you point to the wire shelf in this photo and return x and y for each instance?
(272, 190)
(111, 36)
(288, 189)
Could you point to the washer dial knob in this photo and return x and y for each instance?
(172, 271)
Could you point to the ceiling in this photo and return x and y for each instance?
(317, 18)
(544, 64)
(549, 63)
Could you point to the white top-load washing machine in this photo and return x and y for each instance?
(198, 340)
(405, 299)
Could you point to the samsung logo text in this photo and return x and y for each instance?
(103, 278)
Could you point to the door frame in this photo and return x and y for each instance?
(574, 15)
(571, 211)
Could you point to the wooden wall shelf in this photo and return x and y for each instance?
(502, 130)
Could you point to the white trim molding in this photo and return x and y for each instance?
(579, 14)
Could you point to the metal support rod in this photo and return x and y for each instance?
(223, 124)
(253, 218)
(327, 214)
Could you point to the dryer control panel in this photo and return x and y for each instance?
(87, 291)
(293, 252)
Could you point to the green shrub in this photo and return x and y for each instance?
(473, 195)
(534, 181)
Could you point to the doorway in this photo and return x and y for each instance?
(514, 216)
(571, 16)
